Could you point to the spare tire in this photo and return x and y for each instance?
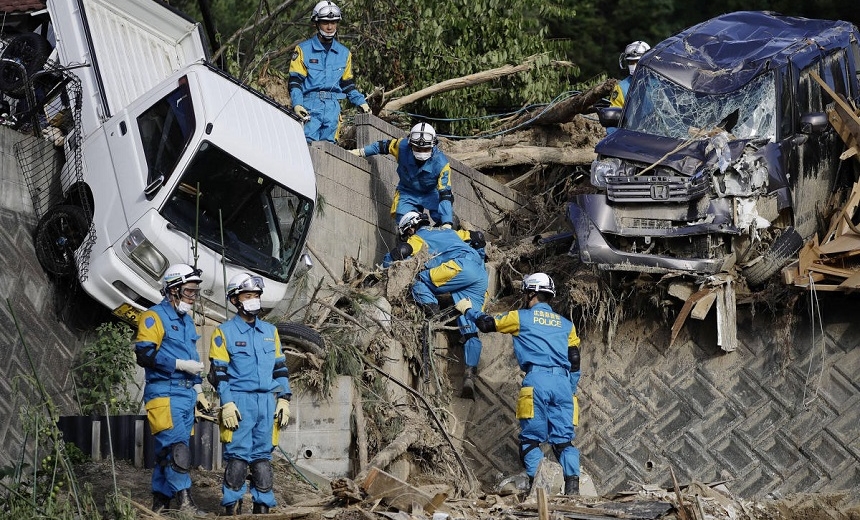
(59, 233)
(303, 337)
(24, 55)
(781, 251)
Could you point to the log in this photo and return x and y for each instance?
(396, 448)
(458, 83)
(567, 109)
(524, 154)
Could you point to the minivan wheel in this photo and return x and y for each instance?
(774, 259)
(303, 337)
(59, 233)
(28, 50)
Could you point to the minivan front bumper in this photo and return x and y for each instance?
(592, 218)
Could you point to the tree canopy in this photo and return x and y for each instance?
(402, 46)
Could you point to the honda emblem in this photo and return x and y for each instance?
(660, 192)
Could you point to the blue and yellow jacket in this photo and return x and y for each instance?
(314, 69)
(247, 357)
(163, 336)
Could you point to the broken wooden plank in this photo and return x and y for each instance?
(830, 270)
(703, 306)
(851, 283)
(397, 493)
(543, 505)
(848, 241)
(727, 323)
(685, 311)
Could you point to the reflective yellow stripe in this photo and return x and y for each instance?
(575, 411)
(441, 274)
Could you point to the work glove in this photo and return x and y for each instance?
(301, 112)
(189, 366)
(230, 416)
(447, 225)
(463, 305)
(357, 151)
(365, 108)
(282, 412)
(203, 404)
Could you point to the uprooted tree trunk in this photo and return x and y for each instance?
(564, 111)
(489, 154)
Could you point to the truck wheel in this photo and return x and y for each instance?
(303, 337)
(59, 233)
(30, 51)
(782, 250)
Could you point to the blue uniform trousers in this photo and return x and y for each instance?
(165, 479)
(552, 420)
(470, 282)
(252, 441)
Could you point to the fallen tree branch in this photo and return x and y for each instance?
(494, 156)
(251, 27)
(458, 83)
(564, 111)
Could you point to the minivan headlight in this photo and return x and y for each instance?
(602, 168)
(144, 254)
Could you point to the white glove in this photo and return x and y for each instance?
(365, 108)
(463, 305)
(447, 225)
(189, 366)
(202, 403)
(301, 111)
(230, 416)
(282, 412)
(357, 151)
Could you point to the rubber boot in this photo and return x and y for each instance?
(571, 485)
(469, 383)
(260, 509)
(160, 502)
(186, 504)
(234, 509)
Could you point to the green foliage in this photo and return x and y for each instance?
(104, 372)
(419, 44)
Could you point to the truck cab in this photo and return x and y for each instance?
(172, 160)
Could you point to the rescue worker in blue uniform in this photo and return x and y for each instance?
(547, 350)
(629, 58)
(321, 75)
(423, 171)
(166, 347)
(455, 266)
(249, 371)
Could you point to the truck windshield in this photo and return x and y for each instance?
(263, 224)
(658, 106)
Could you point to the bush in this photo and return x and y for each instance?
(104, 372)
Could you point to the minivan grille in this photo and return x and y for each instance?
(656, 188)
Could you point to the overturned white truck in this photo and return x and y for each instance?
(723, 155)
(179, 162)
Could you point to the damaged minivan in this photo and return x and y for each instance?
(723, 155)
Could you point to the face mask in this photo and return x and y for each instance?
(182, 307)
(252, 306)
(631, 68)
(422, 156)
(327, 35)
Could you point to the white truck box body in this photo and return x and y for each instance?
(126, 47)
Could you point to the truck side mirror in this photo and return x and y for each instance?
(304, 265)
(609, 117)
(153, 187)
(813, 123)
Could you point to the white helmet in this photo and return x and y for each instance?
(412, 219)
(422, 135)
(539, 282)
(326, 10)
(244, 282)
(179, 274)
(633, 52)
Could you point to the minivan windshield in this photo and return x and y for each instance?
(262, 223)
(661, 107)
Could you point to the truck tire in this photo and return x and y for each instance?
(780, 252)
(30, 51)
(303, 337)
(59, 233)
